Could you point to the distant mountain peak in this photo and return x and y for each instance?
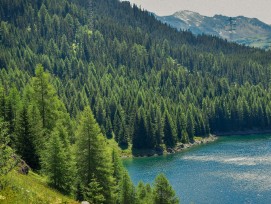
(185, 12)
(240, 29)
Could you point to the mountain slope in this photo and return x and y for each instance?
(242, 30)
(147, 83)
(30, 188)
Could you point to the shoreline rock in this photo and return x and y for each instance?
(159, 151)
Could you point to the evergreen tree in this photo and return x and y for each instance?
(7, 157)
(35, 122)
(144, 193)
(2, 103)
(163, 192)
(117, 166)
(26, 147)
(190, 125)
(93, 157)
(170, 136)
(13, 104)
(94, 192)
(45, 97)
(141, 139)
(56, 164)
(127, 194)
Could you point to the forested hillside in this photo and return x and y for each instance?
(146, 83)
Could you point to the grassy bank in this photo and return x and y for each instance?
(31, 188)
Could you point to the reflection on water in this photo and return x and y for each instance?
(235, 169)
(248, 161)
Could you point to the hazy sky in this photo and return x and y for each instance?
(260, 9)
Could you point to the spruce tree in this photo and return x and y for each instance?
(170, 135)
(190, 125)
(140, 132)
(25, 146)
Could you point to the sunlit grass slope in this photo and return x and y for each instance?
(29, 189)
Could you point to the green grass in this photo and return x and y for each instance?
(198, 138)
(29, 189)
(124, 152)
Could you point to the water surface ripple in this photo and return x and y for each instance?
(234, 169)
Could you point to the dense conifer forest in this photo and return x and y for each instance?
(68, 82)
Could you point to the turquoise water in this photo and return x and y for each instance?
(234, 169)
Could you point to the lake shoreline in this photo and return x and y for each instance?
(179, 148)
(182, 147)
(243, 132)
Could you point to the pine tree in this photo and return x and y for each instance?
(93, 157)
(163, 192)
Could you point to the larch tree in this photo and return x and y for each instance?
(94, 192)
(93, 157)
(128, 192)
(44, 96)
(57, 164)
(163, 192)
(7, 157)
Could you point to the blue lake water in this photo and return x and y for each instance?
(234, 169)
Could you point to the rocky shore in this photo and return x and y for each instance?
(179, 147)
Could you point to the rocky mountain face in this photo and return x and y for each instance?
(242, 30)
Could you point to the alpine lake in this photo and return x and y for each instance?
(233, 169)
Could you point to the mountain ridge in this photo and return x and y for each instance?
(240, 29)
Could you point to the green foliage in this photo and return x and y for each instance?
(31, 188)
(130, 69)
(94, 192)
(93, 158)
(127, 193)
(57, 163)
(144, 193)
(147, 84)
(170, 135)
(117, 166)
(4, 149)
(163, 192)
(26, 140)
(43, 94)
(8, 159)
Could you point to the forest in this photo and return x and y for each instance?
(74, 74)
